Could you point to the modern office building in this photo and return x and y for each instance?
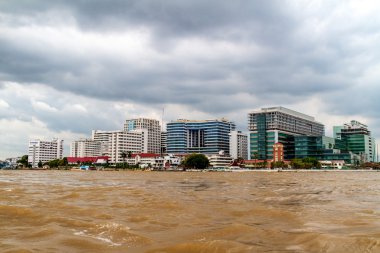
(322, 148)
(44, 151)
(85, 148)
(238, 145)
(153, 131)
(199, 136)
(357, 138)
(271, 125)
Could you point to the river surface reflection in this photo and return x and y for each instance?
(67, 211)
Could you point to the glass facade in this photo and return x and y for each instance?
(261, 137)
(319, 147)
(206, 137)
(277, 124)
(356, 137)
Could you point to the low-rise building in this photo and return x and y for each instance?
(94, 160)
(220, 160)
(146, 160)
(336, 165)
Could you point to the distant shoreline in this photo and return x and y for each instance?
(211, 171)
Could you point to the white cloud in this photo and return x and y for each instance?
(3, 104)
(39, 105)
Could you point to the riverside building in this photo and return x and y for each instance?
(271, 125)
(238, 145)
(114, 143)
(151, 127)
(199, 136)
(322, 148)
(356, 137)
(44, 151)
(85, 148)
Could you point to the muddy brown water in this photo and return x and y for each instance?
(68, 211)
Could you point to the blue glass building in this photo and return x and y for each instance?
(205, 137)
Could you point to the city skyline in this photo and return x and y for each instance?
(70, 67)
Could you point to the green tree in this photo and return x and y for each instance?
(124, 155)
(65, 162)
(305, 163)
(24, 161)
(196, 161)
(255, 156)
(297, 164)
(40, 164)
(278, 164)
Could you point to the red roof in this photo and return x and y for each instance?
(145, 155)
(86, 159)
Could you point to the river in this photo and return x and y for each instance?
(94, 211)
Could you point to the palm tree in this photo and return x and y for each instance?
(255, 156)
(123, 155)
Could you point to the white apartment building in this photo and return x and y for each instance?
(153, 132)
(104, 137)
(44, 151)
(85, 148)
(238, 145)
(114, 143)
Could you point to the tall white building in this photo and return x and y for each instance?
(114, 143)
(104, 137)
(238, 145)
(44, 151)
(153, 132)
(85, 148)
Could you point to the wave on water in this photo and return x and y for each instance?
(113, 234)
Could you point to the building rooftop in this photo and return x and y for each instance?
(202, 121)
(283, 110)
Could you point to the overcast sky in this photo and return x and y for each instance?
(67, 67)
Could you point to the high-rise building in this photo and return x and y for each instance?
(238, 145)
(44, 151)
(114, 143)
(104, 137)
(199, 136)
(271, 125)
(124, 142)
(153, 131)
(85, 148)
(357, 138)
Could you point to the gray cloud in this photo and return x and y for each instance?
(218, 58)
